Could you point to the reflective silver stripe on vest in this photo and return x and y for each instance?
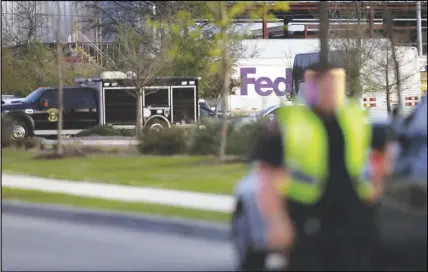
(298, 175)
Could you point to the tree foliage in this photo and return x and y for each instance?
(24, 24)
(219, 28)
(30, 66)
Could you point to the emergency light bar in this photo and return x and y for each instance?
(117, 75)
(86, 80)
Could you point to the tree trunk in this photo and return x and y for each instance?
(387, 87)
(397, 75)
(391, 38)
(139, 122)
(59, 149)
(217, 103)
(357, 89)
(226, 81)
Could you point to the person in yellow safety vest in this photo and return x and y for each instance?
(315, 192)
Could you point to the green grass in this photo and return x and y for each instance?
(53, 198)
(189, 173)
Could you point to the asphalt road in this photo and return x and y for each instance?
(30, 243)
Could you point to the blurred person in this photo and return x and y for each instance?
(320, 170)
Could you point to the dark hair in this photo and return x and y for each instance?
(263, 140)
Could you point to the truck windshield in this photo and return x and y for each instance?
(32, 97)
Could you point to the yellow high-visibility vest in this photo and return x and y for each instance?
(306, 148)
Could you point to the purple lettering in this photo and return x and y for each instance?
(264, 86)
(245, 80)
(264, 82)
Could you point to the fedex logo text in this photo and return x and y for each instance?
(264, 86)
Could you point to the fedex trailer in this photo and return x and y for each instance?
(266, 80)
(264, 83)
(270, 81)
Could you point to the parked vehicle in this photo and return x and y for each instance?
(403, 209)
(106, 100)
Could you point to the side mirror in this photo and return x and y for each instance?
(44, 104)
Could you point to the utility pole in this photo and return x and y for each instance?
(324, 29)
(59, 150)
(419, 27)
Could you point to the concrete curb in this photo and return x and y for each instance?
(93, 142)
(215, 231)
(175, 198)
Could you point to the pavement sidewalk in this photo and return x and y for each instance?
(183, 199)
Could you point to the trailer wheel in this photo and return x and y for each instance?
(156, 125)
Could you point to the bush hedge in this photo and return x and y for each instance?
(106, 131)
(204, 140)
(171, 141)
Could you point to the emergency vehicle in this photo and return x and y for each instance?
(106, 100)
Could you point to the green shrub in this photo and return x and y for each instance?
(241, 139)
(105, 131)
(205, 140)
(170, 141)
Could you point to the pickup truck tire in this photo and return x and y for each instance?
(155, 125)
(19, 131)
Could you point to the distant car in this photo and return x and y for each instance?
(269, 113)
(208, 113)
(203, 103)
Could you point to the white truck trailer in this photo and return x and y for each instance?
(268, 80)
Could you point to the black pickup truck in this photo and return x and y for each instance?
(37, 114)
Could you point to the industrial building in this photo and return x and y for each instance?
(300, 22)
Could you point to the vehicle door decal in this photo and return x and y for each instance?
(53, 115)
